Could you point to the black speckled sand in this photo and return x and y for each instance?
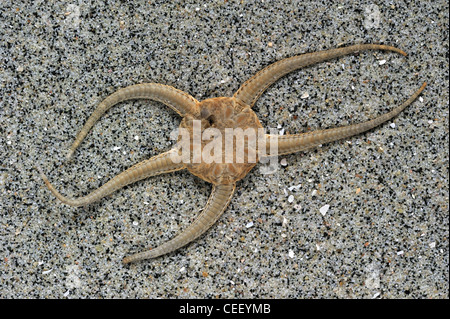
(362, 218)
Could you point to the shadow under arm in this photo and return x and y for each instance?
(288, 144)
(250, 91)
(156, 165)
(216, 205)
(177, 100)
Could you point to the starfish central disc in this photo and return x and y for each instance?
(222, 141)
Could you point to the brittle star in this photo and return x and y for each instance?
(220, 113)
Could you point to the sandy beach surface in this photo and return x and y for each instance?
(365, 217)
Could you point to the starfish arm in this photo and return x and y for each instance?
(288, 144)
(179, 101)
(250, 91)
(156, 165)
(216, 205)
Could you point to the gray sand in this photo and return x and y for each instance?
(385, 234)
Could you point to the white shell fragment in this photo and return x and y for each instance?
(291, 253)
(295, 187)
(324, 209)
